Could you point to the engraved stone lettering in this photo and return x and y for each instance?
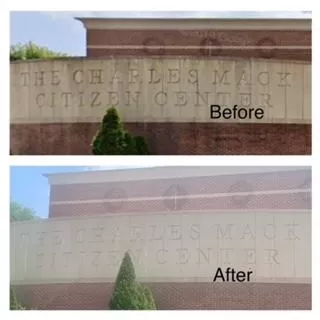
(115, 78)
(161, 259)
(133, 76)
(95, 99)
(161, 98)
(66, 258)
(175, 233)
(272, 256)
(263, 78)
(265, 100)
(113, 98)
(221, 79)
(81, 99)
(40, 100)
(174, 76)
(283, 79)
(244, 79)
(204, 255)
(78, 76)
(66, 98)
(292, 232)
(83, 257)
(57, 237)
(270, 231)
(181, 98)
(245, 99)
(156, 233)
(225, 255)
(97, 235)
(204, 97)
(96, 258)
(53, 100)
(40, 260)
(41, 238)
(80, 235)
(224, 234)
(114, 258)
(25, 77)
(24, 239)
(247, 233)
(39, 79)
(132, 98)
(183, 256)
(195, 231)
(55, 77)
(116, 235)
(154, 76)
(250, 256)
(95, 76)
(136, 233)
(193, 76)
(53, 260)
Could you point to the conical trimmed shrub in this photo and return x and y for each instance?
(128, 293)
(126, 271)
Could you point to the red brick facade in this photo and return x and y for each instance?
(147, 196)
(185, 138)
(173, 296)
(176, 42)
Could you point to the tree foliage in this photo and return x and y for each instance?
(113, 139)
(31, 51)
(126, 271)
(14, 303)
(20, 213)
(130, 294)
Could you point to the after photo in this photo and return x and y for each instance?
(160, 238)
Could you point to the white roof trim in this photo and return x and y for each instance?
(196, 24)
(156, 173)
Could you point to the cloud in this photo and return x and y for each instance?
(96, 168)
(70, 15)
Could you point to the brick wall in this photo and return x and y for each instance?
(173, 296)
(173, 42)
(169, 138)
(147, 196)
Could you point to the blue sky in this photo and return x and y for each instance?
(30, 188)
(61, 32)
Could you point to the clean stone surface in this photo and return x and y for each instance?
(276, 246)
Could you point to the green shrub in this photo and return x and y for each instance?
(149, 299)
(113, 139)
(110, 139)
(14, 303)
(141, 146)
(130, 148)
(30, 51)
(128, 293)
(128, 296)
(126, 271)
